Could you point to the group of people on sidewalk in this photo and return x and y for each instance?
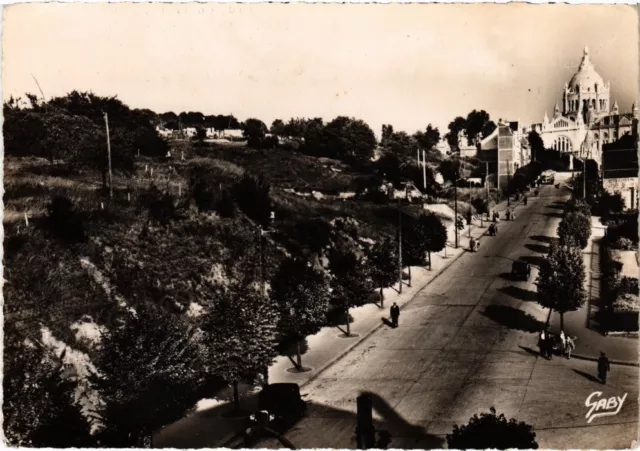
(548, 343)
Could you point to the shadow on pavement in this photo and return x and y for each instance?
(541, 238)
(529, 350)
(591, 377)
(534, 260)
(553, 215)
(537, 248)
(311, 430)
(387, 322)
(520, 293)
(513, 318)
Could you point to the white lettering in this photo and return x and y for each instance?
(603, 407)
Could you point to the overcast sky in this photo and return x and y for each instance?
(408, 65)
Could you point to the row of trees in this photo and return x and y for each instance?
(72, 128)
(306, 296)
(562, 273)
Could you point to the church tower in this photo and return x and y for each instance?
(586, 90)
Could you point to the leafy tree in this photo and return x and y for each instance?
(301, 295)
(561, 280)
(38, 404)
(383, 258)
(131, 127)
(351, 281)
(201, 133)
(401, 144)
(387, 133)
(428, 139)
(297, 127)
(612, 203)
(575, 229)
(433, 232)
(150, 370)
(252, 196)
(312, 235)
(254, 130)
(535, 143)
(450, 169)
(579, 206)
(452, 136)
(278, 127)
(414, 246)
(240, 334)
(347, 139)
(478, 126)
(490, 431)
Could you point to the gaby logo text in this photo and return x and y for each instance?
(602, 407)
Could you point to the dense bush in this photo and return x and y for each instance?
(490, 431)
(64, 222)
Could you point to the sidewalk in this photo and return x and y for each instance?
(324, 348)
(329, 345)
(590, 342)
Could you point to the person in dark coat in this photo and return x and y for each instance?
(395, 313)
(603, 367)
(542, 344)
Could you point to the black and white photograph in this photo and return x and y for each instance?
(320, 225)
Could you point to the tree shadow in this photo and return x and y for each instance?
(533, 260)
(541, 238)
(537, 248)
(209, 428)
(520, 293)
(513, 318)
(590, 377)
(553, 215)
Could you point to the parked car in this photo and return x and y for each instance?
(284, 402)
(521, 270)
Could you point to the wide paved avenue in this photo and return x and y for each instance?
(465, 343)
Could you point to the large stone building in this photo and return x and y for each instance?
(508, 147)
(620, 168)
(587, 120)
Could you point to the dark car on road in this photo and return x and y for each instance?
(284, 404)
(521, 270)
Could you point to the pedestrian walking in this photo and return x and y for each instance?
(548, 343)
(563, 341)
(395, 314)
(570, 346)
(603, 367)
(542, 344)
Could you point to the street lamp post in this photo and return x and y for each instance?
(263, 291)
(406, 193)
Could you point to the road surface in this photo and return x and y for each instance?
(466, 343)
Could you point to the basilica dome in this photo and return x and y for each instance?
(586, 79)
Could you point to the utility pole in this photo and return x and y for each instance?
(486, 185)
(106, 121)
(399, 247)
(508, 180)
(262, 281)
(455, 204)
(424, 168)
(584, 179)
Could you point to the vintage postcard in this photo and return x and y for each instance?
(409, 226)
